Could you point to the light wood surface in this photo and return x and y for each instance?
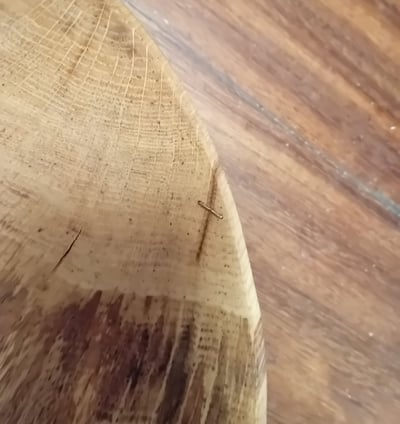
(126, 293)
(302, 99)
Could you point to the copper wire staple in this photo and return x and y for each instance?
(207, 208)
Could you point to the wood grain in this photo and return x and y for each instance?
(126, 294)
(302, 99)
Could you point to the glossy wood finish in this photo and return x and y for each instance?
(302, 98)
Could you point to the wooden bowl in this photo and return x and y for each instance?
(126, 294)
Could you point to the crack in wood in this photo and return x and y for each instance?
(210, 201)
(67, 252)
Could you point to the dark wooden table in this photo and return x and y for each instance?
(302, 99)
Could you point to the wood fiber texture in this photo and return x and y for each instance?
(126, 294)
(302, 99)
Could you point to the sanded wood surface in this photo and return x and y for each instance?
(302, 99)
(126, 294)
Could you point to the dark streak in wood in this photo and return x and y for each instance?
(73, 327)
(67, 252)
(18, 193)
(218, 406)
(210, 202)
(194, 402)
(177, 379)
(89, 343)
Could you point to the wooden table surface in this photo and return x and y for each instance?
(302, 99)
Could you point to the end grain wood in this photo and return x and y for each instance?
(121, 298)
